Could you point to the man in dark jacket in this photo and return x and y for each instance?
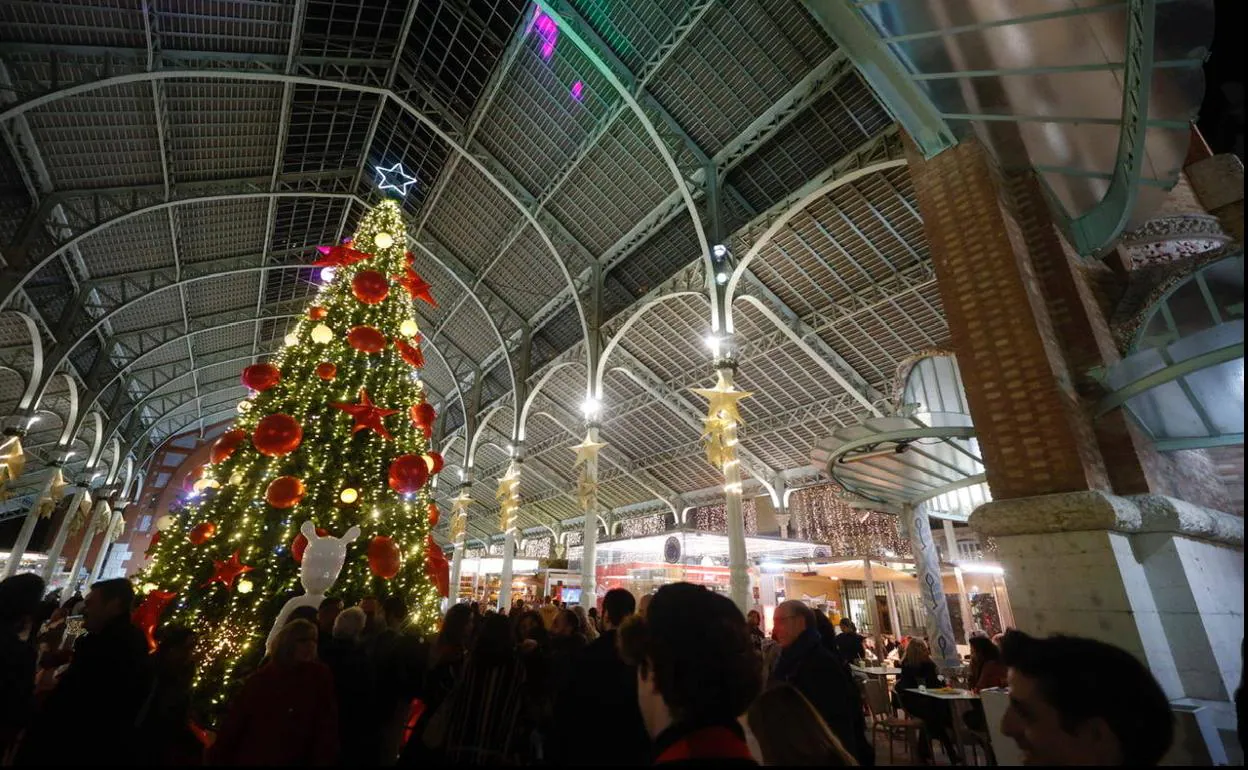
(100, 697)
(596, 713)
(823, 678)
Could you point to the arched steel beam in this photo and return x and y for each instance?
(490, 311)
(577, 31)
(473, 445)
(879, 154)
(35, 376)
(633, 317)
(322, 83)
(534, 391)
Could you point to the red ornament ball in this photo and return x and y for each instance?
(434, 461)
(326, 370)
(366, 339)
(423, 415)
(277, 435)
(316, 312)
(436, 566)
(383, 557)
(370, 287)
(225, 446)
(434, 514)
(285, 492)
(261, 377)
(300, 544)
(408, 473)
(202, 533)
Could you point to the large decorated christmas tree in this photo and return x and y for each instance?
(336, 433)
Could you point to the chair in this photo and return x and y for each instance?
(882, 721)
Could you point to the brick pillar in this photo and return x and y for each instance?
(1029, 322)
(1035, 436)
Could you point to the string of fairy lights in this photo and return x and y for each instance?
(342, 473)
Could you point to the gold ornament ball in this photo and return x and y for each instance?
(291, 340)
(236, 478)
(383, 240)
(244, 586)
(147, 588)
(349, 495)
(408, 328)
(164, 523)
(244, 407)
(322, 334)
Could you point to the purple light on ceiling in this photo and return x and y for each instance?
(548, 33)
(578, 90)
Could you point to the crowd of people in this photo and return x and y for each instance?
(681, 677)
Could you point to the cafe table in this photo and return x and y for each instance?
(952, 696)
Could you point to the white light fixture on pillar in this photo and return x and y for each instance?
(590, 407)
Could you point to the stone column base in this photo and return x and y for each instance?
(1159, 577)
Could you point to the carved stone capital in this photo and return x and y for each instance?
(1087, 511)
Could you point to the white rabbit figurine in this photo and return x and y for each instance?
(322, 561)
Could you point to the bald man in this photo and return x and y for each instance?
(821, 676)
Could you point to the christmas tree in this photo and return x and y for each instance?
(336, 433)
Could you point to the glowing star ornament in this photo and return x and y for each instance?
(227, 571)
(586, 450)
(460, 503)
(722, 400)
(394, 178)
(367, 416)
(416, 286)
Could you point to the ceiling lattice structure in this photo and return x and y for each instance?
(168, 166)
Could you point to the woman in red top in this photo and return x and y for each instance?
(286, 713)
(697, 672)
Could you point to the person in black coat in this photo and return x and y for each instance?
(849, 643)
(359, 722)
(825, 680)
(100, 697)
(596, 712)
(19, 606)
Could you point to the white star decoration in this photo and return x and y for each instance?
(399, 183)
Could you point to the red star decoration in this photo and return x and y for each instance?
(416, 286)
(339, 256)
(227, 571)
(367, 416)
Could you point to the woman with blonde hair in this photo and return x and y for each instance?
(789, 731)
(587, 627)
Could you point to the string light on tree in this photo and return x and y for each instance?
(296, 458)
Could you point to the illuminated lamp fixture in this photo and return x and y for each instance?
(856, 458)
(591, 406)
(721, 278)
(719, 251)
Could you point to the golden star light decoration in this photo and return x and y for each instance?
(586, 450)
(586, 493)
(723, 417)
(508, 497)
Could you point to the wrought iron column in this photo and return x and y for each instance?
(62, 533)
(931, 589)
(99, 512)
(32, 518)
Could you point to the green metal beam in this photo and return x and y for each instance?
(903, 98)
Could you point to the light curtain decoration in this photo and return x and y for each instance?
(722, 419)
(508, 497)
(55, 491)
